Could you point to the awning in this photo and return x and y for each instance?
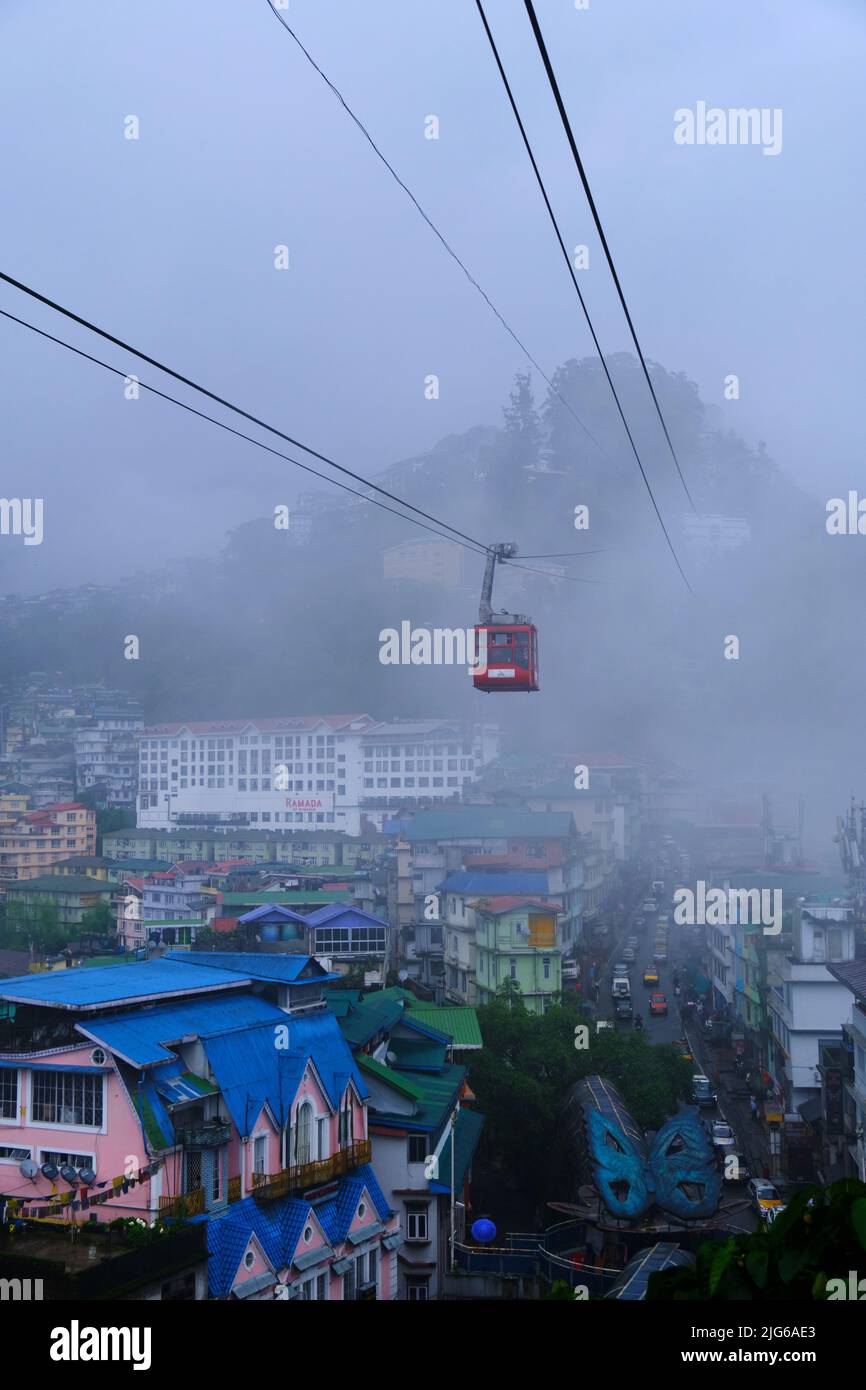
(341, 1266)
(313, 1257)
(368, 1233)
(254, 1285)
(391, 1242)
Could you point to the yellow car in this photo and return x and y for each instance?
(684, 1050)
(650, 976)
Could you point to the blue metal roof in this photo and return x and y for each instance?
(114, 984)
(142, 1038)
(273, 912)
(252, 1071)
(505, 883)
(350, 916)
(254, 965)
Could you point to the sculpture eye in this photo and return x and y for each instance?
(612, 1142)
(620, 1189)
(676, 1145)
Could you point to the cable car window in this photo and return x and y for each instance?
(499, 639)
(521, 656)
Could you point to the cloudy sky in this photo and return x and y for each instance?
(733, 261)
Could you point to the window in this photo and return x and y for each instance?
(303, 1133)
(417, 1148)
(249, 1259)
(76, 1161)
(417, 1290)
(8, 1094)
(10, 1154)
(416, 1221)
(66, 1098)
(512, 968)
(546, 964)
(260, 1151)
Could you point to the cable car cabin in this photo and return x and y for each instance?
(512, 657)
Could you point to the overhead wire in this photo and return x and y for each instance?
(432, 225)
(560, 104)
(236, 409)
(552, 215)
(239, 434)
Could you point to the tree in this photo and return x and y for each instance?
(818, 1239)
(522, 434)
(97, 921)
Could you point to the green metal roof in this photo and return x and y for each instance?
(316, 896)
(417, 1052)
(198, 1083)
(367, 1019)
(439, 1093)
(460, 1023)
(62, 883)
(395, 1079)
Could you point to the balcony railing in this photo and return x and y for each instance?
(208, 1134)
(183, 1206)
(267, 1188)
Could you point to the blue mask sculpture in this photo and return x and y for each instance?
(679, 1173)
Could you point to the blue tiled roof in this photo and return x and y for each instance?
(252, 1071)
(277, 1227)
(114, 984)
(505, 884)
(338, 1214)
(142, 1038)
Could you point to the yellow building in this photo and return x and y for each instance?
(36, 840)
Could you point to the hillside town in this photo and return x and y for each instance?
(257, 1015)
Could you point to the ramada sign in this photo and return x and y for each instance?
(300, 803)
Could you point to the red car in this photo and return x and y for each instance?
(658, 1004)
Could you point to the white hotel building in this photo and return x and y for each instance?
(293, 773)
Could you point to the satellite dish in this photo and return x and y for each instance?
(391, 1057)
(28, 1169)
(68, 1173)
(50, 1171)
(87, 1176)
(402, 976)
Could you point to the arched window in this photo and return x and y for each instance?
(303, 1133)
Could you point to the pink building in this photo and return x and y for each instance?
(212, 1087)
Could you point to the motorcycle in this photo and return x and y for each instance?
(638, 1022)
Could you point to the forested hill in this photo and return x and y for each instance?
(629, 659)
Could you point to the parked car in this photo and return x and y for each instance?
(650, 976)
(660, 953)
(623, 1009)
(633, 942)
(658, 1006)
(722, 1135)
(765, 1197)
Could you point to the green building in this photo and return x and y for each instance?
(516, 939)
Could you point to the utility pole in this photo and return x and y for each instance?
(455, 1112)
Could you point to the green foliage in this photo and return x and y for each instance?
(40, 926)
(525, 1070)
(820, 1236)
(97, 921)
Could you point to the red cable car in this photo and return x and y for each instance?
(506, 644)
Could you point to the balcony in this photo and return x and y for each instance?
(270, 1187)
(207, 1134)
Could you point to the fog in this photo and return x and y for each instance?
(734, 262)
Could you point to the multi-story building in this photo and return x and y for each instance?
(321, 849)
(72, 895)
(47, 770)
(37, 840)
(106, 758)
(425, 561)
(14, 801)
(418, 1107)
(843, 1082)
(807, 1002)
(314, 772)
(516, 940)
(229, 1081)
